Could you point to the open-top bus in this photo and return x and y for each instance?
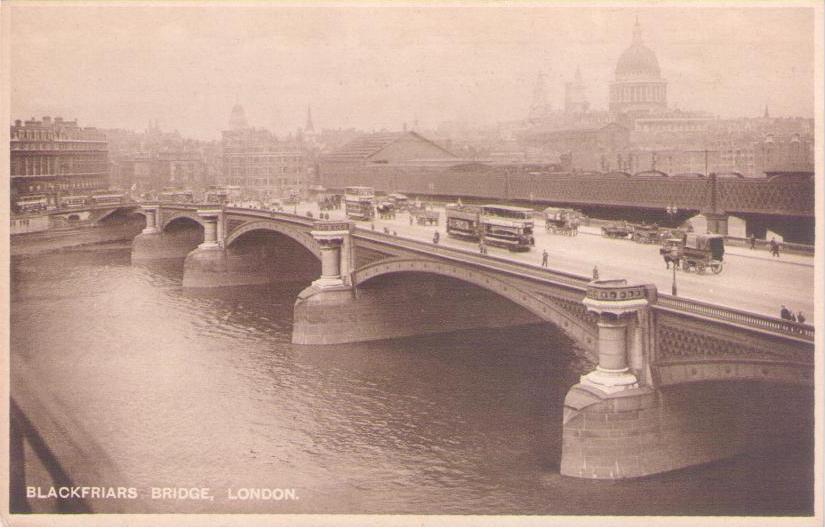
(359, 202)
(508, 227)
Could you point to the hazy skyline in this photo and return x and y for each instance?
(370, 67)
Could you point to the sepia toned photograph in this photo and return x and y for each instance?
(331, 262)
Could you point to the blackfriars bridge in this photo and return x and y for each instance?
(677, 382)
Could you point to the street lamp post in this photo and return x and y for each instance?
(674, 254)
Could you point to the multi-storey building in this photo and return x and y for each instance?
(256, 160)
(154, 159)
(51, 158)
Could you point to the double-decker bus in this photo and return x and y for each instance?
(359, 202)
(176, 195)
(32, 204)
(73, 201)
(107, 198)
(508, 227)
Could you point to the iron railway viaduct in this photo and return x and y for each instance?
(677, 382)
(782, 202)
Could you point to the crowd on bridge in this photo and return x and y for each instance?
(787, 314)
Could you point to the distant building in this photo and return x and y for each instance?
(155, 159)
(53, 158)
(256, 160)
(638, 88)
(575, 97)
(584, 148)
(340, 168)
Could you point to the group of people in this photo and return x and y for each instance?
(787, 314)
(773, 245)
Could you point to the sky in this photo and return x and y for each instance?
(372, 67)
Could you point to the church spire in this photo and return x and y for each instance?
(309, 127)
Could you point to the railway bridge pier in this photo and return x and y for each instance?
(676, 382)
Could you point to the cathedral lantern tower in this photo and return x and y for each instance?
(638, 89)
(575, 99)
(237, 118)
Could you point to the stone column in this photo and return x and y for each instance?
(151, 212)
(331, 237)
(221, 226)
(616, 305)
(210, 228)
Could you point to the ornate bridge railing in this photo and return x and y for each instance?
(492, 263)
(737, 317)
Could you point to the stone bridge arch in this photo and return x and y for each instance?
(569, 316)
(181, 215)
(304, 238)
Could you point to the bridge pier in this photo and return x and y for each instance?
(618, 424)
(206, 265)
(717, 223)
(151, 244)
(609, 414)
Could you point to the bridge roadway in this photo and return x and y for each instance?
(751, 280)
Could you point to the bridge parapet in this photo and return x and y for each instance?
(737, 317)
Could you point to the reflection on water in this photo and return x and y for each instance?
(203, 388)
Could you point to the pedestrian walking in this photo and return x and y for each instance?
(774, 248)
(436, 237)
(800, 317)
(595, 272)
(411, 219)
(752, 239)
(785, 313)
(544, 258)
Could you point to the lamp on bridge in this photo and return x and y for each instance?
(674, 260)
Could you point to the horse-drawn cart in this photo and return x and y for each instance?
(695, 252)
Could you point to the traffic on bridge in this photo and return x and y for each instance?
(751, 280)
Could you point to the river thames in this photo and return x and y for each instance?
(205, 390)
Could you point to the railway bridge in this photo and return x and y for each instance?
(782, 202)
(675, 382)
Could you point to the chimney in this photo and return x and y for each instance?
(18, 123)
(47, 120)
(58, 120)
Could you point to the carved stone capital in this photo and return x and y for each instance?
(614, 300)
(209, 215)
(329, 238)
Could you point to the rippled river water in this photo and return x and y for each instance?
(205, 389)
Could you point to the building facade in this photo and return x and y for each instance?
(156, 159)
(263, 166)
(56, 157)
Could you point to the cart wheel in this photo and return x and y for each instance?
(716, 267)
(700, 268)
